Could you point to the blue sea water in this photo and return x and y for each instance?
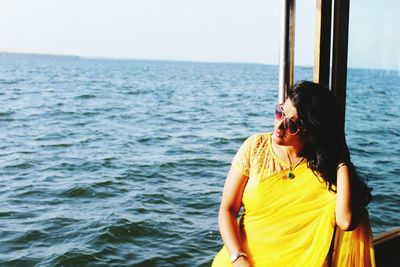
(122, 163)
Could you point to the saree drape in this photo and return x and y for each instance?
(290, 222)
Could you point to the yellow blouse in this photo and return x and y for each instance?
(290, 222)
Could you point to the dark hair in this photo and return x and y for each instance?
(319, 113)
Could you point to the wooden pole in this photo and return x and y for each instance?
(339, 56)
(322, 51)
(291, 42)
(286, 60)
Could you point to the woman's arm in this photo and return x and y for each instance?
(348, 202)
(227, 219)
(343, 211)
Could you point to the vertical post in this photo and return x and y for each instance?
(291, 41)
(322, 42)
(340, 45)
(286, 59)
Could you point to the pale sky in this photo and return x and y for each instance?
(194, 30)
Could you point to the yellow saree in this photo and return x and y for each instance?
(290, 222)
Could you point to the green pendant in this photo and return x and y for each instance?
(290, 175)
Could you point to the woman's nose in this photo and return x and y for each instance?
(280, 123)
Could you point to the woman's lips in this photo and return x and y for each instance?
(278, 135)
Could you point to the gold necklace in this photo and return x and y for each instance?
(290, 174)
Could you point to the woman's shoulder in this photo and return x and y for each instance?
(256, 140)
(259, 137)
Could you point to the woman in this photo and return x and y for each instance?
(302, 203)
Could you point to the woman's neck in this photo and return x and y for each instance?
(294, 152)
(282, 152)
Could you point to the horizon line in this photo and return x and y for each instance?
(38, 54)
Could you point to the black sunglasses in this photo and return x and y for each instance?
(290, 125)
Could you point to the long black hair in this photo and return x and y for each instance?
(319, 114)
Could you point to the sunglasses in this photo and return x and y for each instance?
(290, 125)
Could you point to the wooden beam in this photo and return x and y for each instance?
(286, 61)
(322, 51)
(283, 55)
(339, 53)
(291, 41)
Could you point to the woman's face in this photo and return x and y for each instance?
(283, 136)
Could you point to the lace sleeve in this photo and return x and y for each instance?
(241, 161)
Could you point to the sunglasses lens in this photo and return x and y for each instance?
(291, 126)
(278, 112)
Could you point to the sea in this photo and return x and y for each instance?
(107, 162)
